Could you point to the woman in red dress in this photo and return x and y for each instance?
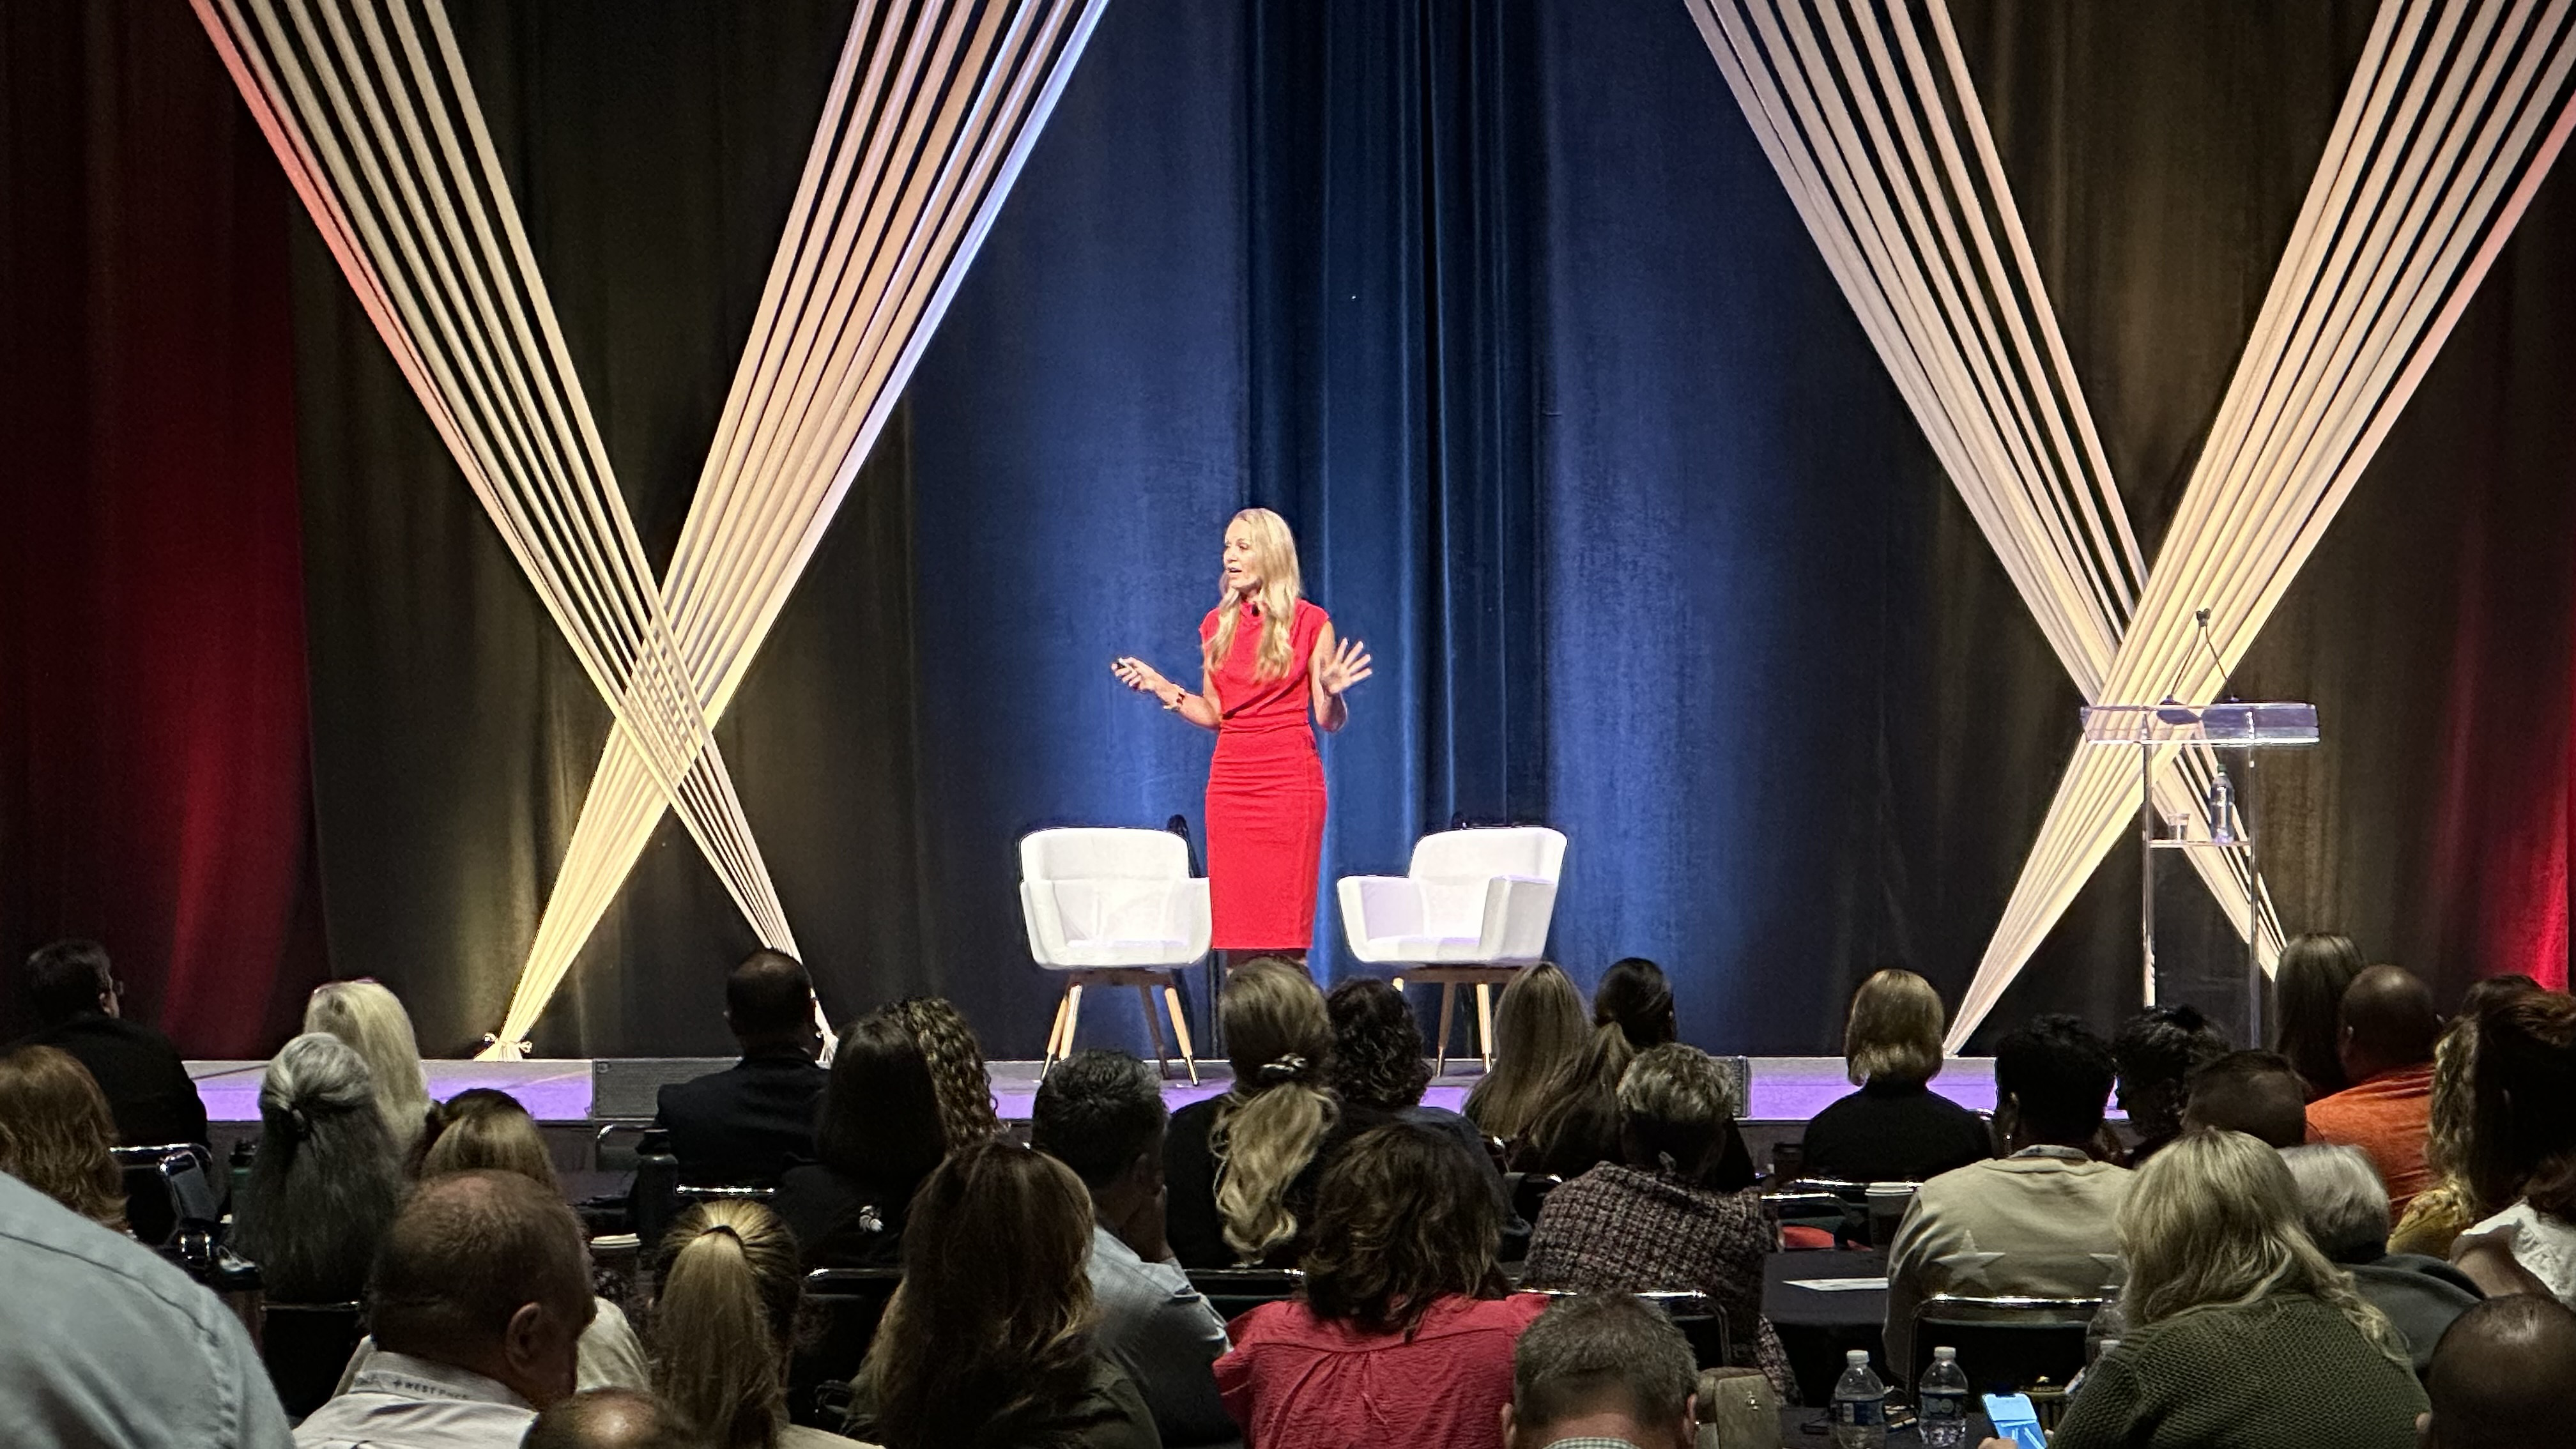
(1267, 658)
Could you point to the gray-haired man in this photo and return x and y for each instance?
(1602, 1371)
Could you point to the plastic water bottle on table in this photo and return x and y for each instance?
(1941, 1401)
(1860, 1405)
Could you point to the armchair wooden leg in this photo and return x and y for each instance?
(1072, 1018)
(1485, 1022)
(1154, 1029)
(1055, 1035)
(1448, 1006)
(1181, 1032)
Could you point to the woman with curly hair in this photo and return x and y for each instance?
(57, 1134)
(1405, 1328)
(1377, 1065)
(987, 1344)
(956, 1061)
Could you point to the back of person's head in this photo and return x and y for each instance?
(1601, 1365)
(1539, 1031)
(978, 1341)
(769, 1004)
(2388, 1022)
(371, 1020)
(1673, 1110)
(1405, 1216)
(485, 1271)
(613, 1419)
(2257, 1093)
(327, 1177)
(66, 978)
(880, 1122)
(956, 1061)
(1893, 1036)
(57, 1134)
(1634, 997)
(2157, 1051)
(2054, 1077)
(1278, 1036)
(2307, 996)
(2501, 1376)
(2342, 1202)
(1631, 1010)
(725, 1320)
(1377, 1058)
(492, 1132)
(2522, 1137)
(2487, 990)
(1100, 1113)
(2214, 1220)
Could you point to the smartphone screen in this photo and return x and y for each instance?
(2015, 1420)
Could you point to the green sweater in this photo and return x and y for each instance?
(2287, 1373)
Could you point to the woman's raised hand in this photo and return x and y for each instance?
(1348, 666)
(1137, 675)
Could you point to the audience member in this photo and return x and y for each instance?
(1577, 1128)
(2433, 1222)
(2257, 1093)
(2344, 1208)
(956, 1061)
(2157, 1052)
(371, 1019)
(2486, 990)
(2307, 1002)
(56, 1134)
(1377, 1065)
(724, 1324)
(880, 1136)
(1601, 1369)
(1538, 1032)
(613, 1419)
(2389, 1031)
(327, 1178)
(2502, 1377)
(1101, 1114)
(741, 1126)
(79, 1006)
(1404, 1331)
(2042, 1221)
(990, 1348)
(1895, 1128)
(1243, 1168)
(2239, 1332)
(104, 1343)
(478, 1299)
(2522, 1148)
(1651, 1221)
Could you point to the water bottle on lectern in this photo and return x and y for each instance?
(1860, 1405)
(2222, 809)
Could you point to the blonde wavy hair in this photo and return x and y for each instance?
(725, 1321)
(1539, 1033)
(2214, 1221)
(57, 1135)
(1894, 1032)
(1269, 1126)
(371, 1019)
(1274, 555)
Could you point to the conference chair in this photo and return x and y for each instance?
(1114, 908)
(1471, 910)
(2006, 1344)
(847, 1304)
(1234, 1292)
(305, 1347)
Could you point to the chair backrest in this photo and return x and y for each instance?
(1092, 853)
(2005, 1344)
(1524, 850)
(305, 1346)
(1233, 1292)
(167, 1187)
(848, 1304)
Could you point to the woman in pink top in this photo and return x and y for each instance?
(1404, 1335)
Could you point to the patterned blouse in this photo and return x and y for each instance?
(1622, 1229)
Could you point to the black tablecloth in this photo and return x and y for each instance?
(1794, 1430)
(1818, 1328)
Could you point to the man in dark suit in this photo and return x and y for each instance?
(80, 1003)
(741, 1125)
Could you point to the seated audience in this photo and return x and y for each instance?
(80, 1008)
(1895, 1128)
(2522, 1149)
(613, 1419)
(1598, 1370)
(742, 1125)
(2307, 1005)
(2157, 1052)
(1377, 1065)
(2257, 1093)
(2042, 1221)
(989, 1348)
(2344, 1208)
(2433, 1222)
(1101, 1114)
(327, 1179)
(2389, 1030)
(1242, 1169)
(371, 1019)
(880, 1136)
(956, 1061)
(724, 1324)
(57, 1136)
(478, 1299)
(1403, 1334)
(2502, 1377)
(1652, 1221)
(1538, 1032)
(2239, 1333)
(1577, 1128)
(104, 1343)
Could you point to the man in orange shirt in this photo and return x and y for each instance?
(2388, 1030)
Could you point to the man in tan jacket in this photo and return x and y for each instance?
(2041, 1221)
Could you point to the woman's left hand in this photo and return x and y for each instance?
(1348, 666)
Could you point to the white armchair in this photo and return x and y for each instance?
(1472, 910)
(1114, 908)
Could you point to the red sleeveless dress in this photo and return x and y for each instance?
(1265, 793)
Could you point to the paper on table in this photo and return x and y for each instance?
(1837, 1285)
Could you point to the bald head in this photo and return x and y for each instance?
(2502, 1376)
(611, 1419)
(2388, 1023)
(2257, 1093)
(769, 1003)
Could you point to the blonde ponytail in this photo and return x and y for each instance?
(724, 1322)
(1271, 1125)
